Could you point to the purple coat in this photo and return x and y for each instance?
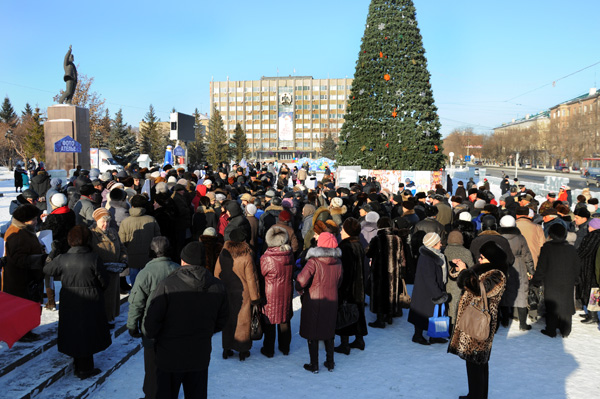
(319, 280)
(277, 267)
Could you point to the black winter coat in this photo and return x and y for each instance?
(40, 184)
(82, 325)
(186, 309)
(352, 286)
(237, 221)
(60, 221)
(429, 284)
(587, 253)
(490, 235)
(558, 270)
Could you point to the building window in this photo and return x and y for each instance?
(306, 97)
(315, 106)
(306, 126)
(256, 98)
(223, 109)
(239, 108)
(315, 88)
(316, 116)
(323, 106)
(323, 96)
(341, 87)
(341, 106)
(273, 135)
(273, 107)
(333, 88)
(297, 98)
(265, 107)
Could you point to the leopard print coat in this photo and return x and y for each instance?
(494, 281)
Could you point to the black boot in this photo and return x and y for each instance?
(344, 346)
(504, 316)
(593, 319)
(379, 323)
(313, 351)
(358, 343)
(125, 288)
(418, 337)
(523, 326)
(329, 363)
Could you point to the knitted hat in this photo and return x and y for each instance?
(595, 223)
(55, 182)
(431, 239)
(270, 194)
(26, 212)
(251, 209)
(337, 202)
(100, 213)
(507, 221)
(194, 254)
(352, 227)
(456, 237)
(465, 216)
(207, 182)
(172, 179)
(212, 196)
(58, 200)
(209, 231)
(372, 217)
(220, 197)
(155, 174)
(327, 240)
(161, 187)
(479, 204)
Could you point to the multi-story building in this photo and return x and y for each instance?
(283, 117)
(528, 136)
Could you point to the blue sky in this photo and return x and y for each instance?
(480, 54)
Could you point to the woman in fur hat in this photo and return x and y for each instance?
(277, 267)
(117, 207)
(235, 268)
(491, 271)
(318, 284)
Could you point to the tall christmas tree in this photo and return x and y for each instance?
(391, 121)
(216, 139)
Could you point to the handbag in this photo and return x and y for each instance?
(533, 298)
(439, 325)
(347, 314)
(475, 321)
(404, 298)
(256, 331)
(594, 303)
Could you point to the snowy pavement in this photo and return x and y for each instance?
(522, 365)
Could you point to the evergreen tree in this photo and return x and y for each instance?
(239, 145)
(150, 141)
(35, 142)
(122, 142)
(216, 139)
(28, 111)
(391, 121)
(328, 147)
(99, 137)
(196, 149)
(7, 113)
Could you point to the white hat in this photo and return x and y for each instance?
(251, 209)
(431, 239)
(591, 208)
(161, 187)
(58, 200)
(155, 175)
(172, 179)
(220, 197)
(507, 221)
(479, 204)
(372, 217)
(207, 182)
(465, 216)
(337, 202)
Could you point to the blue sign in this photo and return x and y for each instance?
(67, 144)
(178, 151)
(467, 158)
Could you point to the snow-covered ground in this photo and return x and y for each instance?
(523, 364)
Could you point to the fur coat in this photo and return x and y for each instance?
(235, 269)
(388, 265)
(494, 282)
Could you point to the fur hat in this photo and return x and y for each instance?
(161, 187)
(408, 205)
(276, 237)
(58, 200)
(522, 211)
(270, 194)
(492, 252)
(431, 239)
(117, 194)
(465, 216)
(455, 237)
(246, 197)
(372, 217)
(26, 212)
(327, 240)
(549, 211)
(87, 189)
(352, 227)
(337, 202)
(456, 198)
(220, 197)
(557, 232)
(209, 231)
(251, 209)
(582, 212)
(319, 227)
(139, 201)
(100, 213)
(508, 221)
(194, 253)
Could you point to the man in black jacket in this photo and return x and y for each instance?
(186, 309)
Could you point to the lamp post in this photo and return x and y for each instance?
(9, 137)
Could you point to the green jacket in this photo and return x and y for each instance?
(145, 283)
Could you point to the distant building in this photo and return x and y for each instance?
(283, 117)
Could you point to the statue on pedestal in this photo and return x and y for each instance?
(70, 77)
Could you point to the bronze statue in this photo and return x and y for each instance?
(70, 78)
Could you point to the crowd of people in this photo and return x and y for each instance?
(208, 250)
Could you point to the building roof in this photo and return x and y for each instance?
(527, 118)
(593, 93)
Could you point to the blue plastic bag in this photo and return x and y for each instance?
(439, 325)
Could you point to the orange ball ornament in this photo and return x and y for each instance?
(380, 54)
(394, 114)
(386, 77)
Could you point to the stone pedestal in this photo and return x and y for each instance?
(67, 120)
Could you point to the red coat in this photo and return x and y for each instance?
(320, 280)
(277, 267)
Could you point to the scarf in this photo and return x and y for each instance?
(444, 265)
